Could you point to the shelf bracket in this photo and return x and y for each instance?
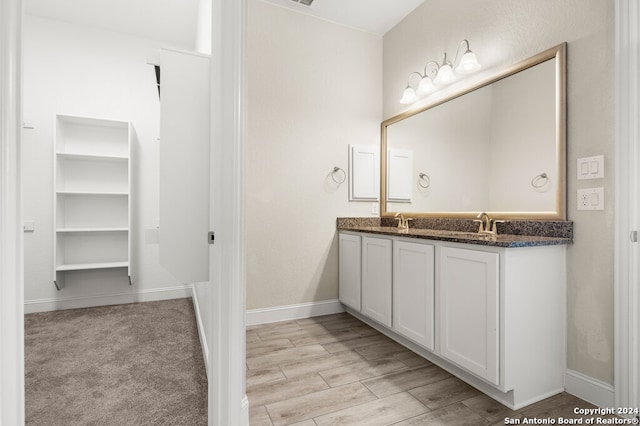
(58, 286)
(130, 283)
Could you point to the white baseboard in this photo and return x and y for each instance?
(291, 312)
(201, 333)
(591, 390)
(62, 303)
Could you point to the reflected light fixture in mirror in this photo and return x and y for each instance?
(440, 74)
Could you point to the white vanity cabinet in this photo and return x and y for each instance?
(413, 291)
(493, 316)
(349, 270)
(501, 319)
(376, 279)
(469, 310)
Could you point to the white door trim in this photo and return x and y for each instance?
(11, 264)
(227, 399)
(627, 185)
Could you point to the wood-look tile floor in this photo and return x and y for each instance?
(336, 370)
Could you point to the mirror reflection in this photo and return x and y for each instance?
(498, 148)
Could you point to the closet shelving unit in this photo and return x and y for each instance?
(92, 199)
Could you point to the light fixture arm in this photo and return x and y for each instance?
(444, 60)
(434, 70)
(410, 75)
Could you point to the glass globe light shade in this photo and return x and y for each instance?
(425, 86)
(409, 96)
(468, 63)
(445, 75)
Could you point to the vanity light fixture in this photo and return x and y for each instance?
(440, 74)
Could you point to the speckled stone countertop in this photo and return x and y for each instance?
(512, 233)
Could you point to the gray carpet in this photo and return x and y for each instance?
(135, 364)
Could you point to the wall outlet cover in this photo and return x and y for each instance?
(591, 199)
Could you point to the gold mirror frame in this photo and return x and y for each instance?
(559, 53)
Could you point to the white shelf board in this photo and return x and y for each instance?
(92, 157)
(91, 121)
(92, 230)
(86, 266)
(92, 193)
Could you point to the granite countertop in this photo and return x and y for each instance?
(459, 231)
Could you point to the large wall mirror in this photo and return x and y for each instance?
(498, 147)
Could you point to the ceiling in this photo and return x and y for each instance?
(374, 16)
(174, 21)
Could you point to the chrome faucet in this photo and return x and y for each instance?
(403, 223)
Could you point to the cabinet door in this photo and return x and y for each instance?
(413, 291)
(376, 279)
(469, 310)
(364, 167)
(349, 270)
(184, 166)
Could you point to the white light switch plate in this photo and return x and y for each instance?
(591, 199)
(591, 167)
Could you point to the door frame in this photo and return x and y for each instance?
(11, 264)
(627, 208)
(228, 404)
(227, 399)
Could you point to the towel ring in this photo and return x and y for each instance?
(540, 180)
(423, 180)
(337, 170)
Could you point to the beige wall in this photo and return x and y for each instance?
(501, 33)
(313, 88)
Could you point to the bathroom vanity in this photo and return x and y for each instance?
(490, 309)
(482, 298)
